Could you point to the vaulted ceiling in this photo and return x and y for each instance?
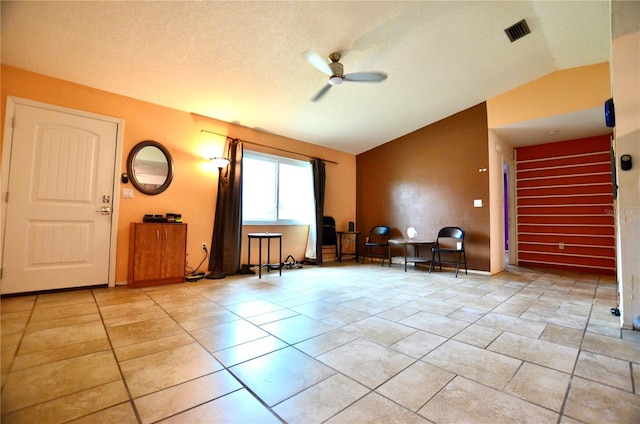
(242, 61)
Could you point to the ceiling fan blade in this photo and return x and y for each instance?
(365, 77)
(321, 93)
(317, 62)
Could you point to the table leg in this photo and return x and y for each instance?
(280, 263)
(357, 244)
(260, 257)
(340, 247)
(249, 252)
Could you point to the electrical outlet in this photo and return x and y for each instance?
(561, 245)
(204, 247)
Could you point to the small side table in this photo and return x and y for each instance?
(347, 233)
(260, 237)
(416, 243)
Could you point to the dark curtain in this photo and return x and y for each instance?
(319, 178)
(226, 242)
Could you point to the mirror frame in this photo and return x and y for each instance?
(132, 176)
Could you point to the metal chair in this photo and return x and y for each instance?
(378, 239)
(450, 241)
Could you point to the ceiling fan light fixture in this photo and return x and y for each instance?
(335, 80)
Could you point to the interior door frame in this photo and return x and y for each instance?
(12, 103)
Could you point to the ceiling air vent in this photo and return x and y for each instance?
(517, 30)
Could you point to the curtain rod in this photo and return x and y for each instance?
(269, 147)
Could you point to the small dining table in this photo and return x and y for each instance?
(416, 243)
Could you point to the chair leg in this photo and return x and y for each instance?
(433, 258)
(458, 263)
(464, 254)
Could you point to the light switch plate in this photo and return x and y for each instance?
(477, 203)
(127, 193)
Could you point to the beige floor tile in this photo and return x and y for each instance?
(55, 354)
(418, 344)
(238, 407)
(49, 381)
(348, 359)
(325, 342)
(250, 350)
(476, 364)
(465, 401)
(204, 322)
(345, 318)
(202, 309)
(58, 337)
(592, 402)
(513, 325)
(10, 305)
(274, 377)
(436, 324)
(416, 385)
(228, 334)
(43, 312)
(604, 369)
(157, 371)
(63, 322)
(179, 398)
(15, 322)
(547, 354)
(253, 308)
(379, 330)
(320, 309)
(370, 305)
(540, 385)
(374, 408)
(121, 414)
(477, 335)
(467, 314)
(321, 401)
(143, 331)
(296, 329)
(72, 406)
(64, 298)
(68, 376)
(562, 335)
(272, 316)
(136, 350)
(143, 306)
(613, 347)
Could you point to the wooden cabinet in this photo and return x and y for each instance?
(157, 254)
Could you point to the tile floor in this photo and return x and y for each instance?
(344, 343)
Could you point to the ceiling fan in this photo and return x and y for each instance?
(335, 71)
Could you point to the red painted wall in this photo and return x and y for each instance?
(565, 205)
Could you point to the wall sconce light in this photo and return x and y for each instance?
(219, 162)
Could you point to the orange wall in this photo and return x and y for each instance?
(429, 179)
(193, 189)
(564, 91)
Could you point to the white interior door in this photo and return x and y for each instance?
(60, 200)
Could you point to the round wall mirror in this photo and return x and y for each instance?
(150, 167)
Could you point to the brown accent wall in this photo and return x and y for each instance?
(429, 179)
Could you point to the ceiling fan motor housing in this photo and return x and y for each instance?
(337, 71)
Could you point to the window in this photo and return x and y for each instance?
(276, 190)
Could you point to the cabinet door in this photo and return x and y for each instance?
(174, 245)
(147, 252)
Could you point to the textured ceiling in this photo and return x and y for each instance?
(242, 62)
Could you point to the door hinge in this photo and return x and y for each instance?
(13, 123)
(6, 197)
